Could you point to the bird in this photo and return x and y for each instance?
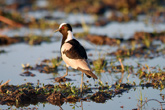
(73, 53)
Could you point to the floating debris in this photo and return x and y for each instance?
(27, 66)
(62, 79)
(2, 51)
(27, 73)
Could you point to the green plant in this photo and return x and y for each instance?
(101, 83)
(141, 100)
(32, 39)
(147, 41)
(56, 62)
(99, 64)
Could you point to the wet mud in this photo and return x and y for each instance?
(58, 94)
(36, 40)
(26, 94)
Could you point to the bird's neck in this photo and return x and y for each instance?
(67, 37)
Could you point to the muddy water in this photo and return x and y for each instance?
(17, 54)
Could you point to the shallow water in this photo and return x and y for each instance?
(10, 64)
(21, 53)
(126, 30)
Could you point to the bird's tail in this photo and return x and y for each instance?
(88, 73)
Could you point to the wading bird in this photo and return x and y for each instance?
(73, 53)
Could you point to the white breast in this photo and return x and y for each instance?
(66, 46)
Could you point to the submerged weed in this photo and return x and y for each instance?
(99, 65)
(56, 62)
(36, 40)
(147, 41)
(155, 79)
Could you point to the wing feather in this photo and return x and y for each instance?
(74, 55)
(76, 51)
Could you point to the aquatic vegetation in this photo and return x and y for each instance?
(56, 62)
(100, 97)
(99, 65)
(46, 66)
(56, 94)
(141, 46)
(27, 73)
(26, 66)
(155, 79)
(81, 35)
(142, 101)
(103, 40)
(2, 51)
(14, 16)
(4, 40)
(31, 39)
(36, 40)
(149, 36)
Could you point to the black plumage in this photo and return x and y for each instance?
(77, 51)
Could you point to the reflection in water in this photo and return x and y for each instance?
(81, 105)
(121, 79)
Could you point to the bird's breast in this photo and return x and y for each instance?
(65, 46)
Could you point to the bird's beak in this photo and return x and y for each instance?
(56, 30)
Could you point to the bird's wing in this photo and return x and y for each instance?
(76, 50)
(74, 55)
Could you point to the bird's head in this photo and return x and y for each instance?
(64, 28)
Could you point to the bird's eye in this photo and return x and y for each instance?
(62, 27)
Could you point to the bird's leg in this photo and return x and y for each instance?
(81, 86)
(66, 72)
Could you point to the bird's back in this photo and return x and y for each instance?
(74, 55)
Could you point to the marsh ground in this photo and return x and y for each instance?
(124, 42)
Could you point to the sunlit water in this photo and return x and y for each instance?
(17, 54)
